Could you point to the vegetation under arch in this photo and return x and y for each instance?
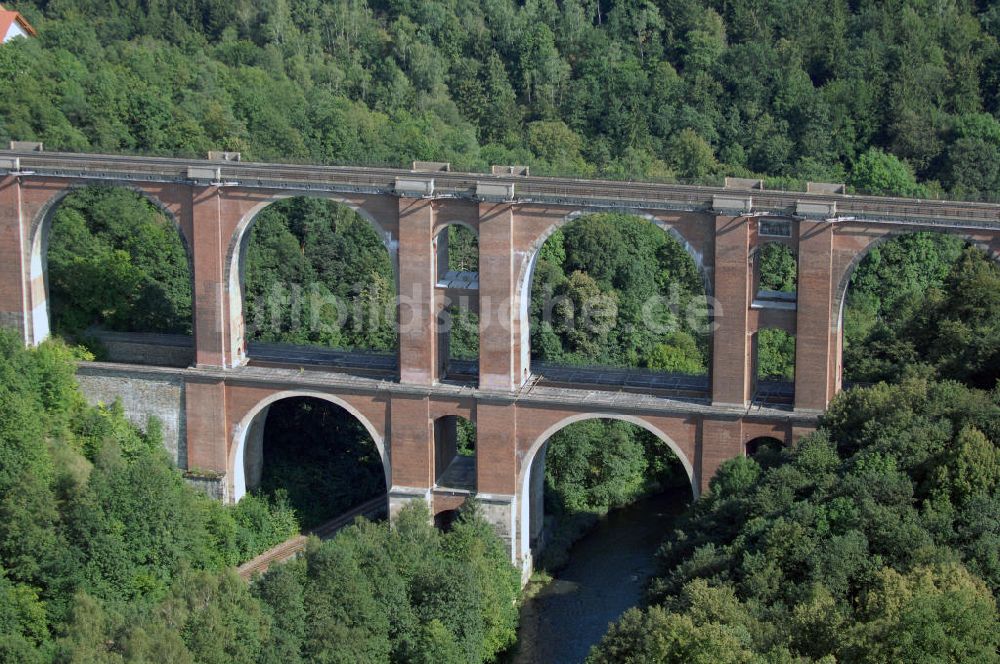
(319, 458)
(115, 261)
(616, 290)
(317, 273)
(926, 300)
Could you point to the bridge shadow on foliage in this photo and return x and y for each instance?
(321, 457)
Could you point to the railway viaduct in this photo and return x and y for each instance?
(222, 398)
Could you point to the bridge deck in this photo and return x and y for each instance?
(776, 393)
(533, 393)
(560, 191)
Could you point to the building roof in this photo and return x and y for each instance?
(7, 18)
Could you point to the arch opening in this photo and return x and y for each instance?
(619, 295)
(561, 493)
(444, 520)
(314, 451)
(457, 249)
(773, 356)
(921, 299)
(455, 453)
(111, 270)
(775, 276)
(316, 274)
(457, 302)
(762, 445)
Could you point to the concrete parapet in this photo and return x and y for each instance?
(204, 173)
(825, 188)
(214, 155)
(496, 192)
(732, 205)
(744, 183)
(441, 166)
(811, 210)
(510, 170)
(414, 187)
(165, 350)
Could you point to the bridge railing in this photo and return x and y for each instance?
(569, 191)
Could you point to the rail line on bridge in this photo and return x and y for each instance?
(525, 189)
(212, 392)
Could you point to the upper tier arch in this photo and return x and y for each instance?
(526, 270)
(235, 263)
(38, 324)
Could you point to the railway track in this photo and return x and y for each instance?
(559, 191)
(296, 545)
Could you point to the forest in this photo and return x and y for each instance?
(875, 539)
(607, 269)
(891, 97)
(319, 459)
(318, 274)
(108, 555)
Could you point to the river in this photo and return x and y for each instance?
(607, 573)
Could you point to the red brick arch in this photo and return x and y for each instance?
(374, 209)
(248, 404)
(41, 201)
(532, 442)
(536, 225)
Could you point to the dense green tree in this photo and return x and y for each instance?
(876, 172)
(463, 340)
(401, 593)
(691, 155)
(923, 298)
(938, 613)
(317, 273)
(23, 628)
(680, 354)
(282, 594)
(117, 261)
(629, 90)
(463, 249)
(597, 465)
(657, 636)
(973, 156)
(852, 546)
(778, 268)
(616, 290)
(320, 457)
(107, 555)
(96, 524)
(775, 355)
(847, 547)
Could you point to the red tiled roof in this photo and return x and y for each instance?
(7, 18)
